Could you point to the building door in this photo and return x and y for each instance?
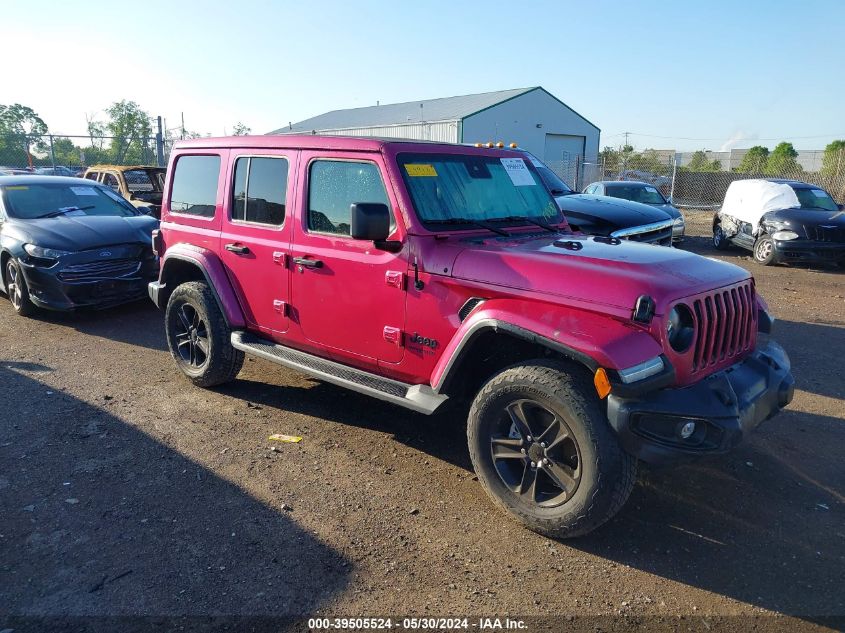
(564, 153)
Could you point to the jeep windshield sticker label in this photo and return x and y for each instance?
(518, 172)
(819, 193)
(420, 170)
(84, 191)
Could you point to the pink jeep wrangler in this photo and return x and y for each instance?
(420, 273)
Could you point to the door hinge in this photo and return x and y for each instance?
(393, 335)
(280, 258)
(395, 279)
(280, 306)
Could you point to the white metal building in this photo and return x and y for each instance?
(531, 117)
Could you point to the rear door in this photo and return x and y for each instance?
(255, 241)
(347, 295)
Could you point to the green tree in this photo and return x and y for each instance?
(240, 129)
(754, 160)
(130, 125)
(782, 161)
(21, 130)
(833, 161)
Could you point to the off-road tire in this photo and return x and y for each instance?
(764, 250)
(21, 303)
(222, 361)
(607, 472)
(720, 240)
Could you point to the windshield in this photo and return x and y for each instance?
(28, 202)
(815, 199)
(138, 180)
(451, 188)
(636, 193)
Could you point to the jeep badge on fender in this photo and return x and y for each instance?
(580, 355)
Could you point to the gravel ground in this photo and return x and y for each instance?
(125, 491)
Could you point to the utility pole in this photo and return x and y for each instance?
(160, 144)
(183, 126)
(626, 138)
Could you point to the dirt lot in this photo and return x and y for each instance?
(125, 491)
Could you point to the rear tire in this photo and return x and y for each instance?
(199, 337)
(17, 289)
(581, 476)
(720, 240)
(764, 250)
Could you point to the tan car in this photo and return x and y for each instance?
(141, 185)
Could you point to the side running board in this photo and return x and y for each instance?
(421, 398)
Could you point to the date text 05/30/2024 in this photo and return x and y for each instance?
(416, 624)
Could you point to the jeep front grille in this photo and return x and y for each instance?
(726, 324)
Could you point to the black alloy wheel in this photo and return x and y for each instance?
(191, 336)
(535, 454)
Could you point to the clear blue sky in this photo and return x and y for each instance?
(712, 69)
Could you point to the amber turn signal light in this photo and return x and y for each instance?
(602, 383)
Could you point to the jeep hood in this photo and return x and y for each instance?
(84, 232)
(593, 270)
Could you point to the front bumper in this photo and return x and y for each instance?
(809, 251)
(724, 407)
(47, 291)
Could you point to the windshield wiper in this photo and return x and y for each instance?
(479, 223)
(521, 218)
(64, 210)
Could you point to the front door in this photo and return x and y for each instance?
(347, 295)
(255, 241)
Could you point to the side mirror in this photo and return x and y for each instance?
(369, 221)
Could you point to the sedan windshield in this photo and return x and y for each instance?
(815, 199)
(42, 200)
(645, 194)
(463, 189)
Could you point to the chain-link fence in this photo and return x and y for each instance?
(700, 180)
(69, 154)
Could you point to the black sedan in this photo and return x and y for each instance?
(68, 243)
(642, 192)
(781, 221)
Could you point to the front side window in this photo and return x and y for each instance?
(194, 190)
(260, 190)
(636, 193)
(455, 188)
(815, 199)
(334, 186)
(30, 202)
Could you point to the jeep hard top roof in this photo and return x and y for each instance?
(316, 141)
(122, 167)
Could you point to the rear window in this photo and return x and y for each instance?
(194, 190)
(139, 180)
(260, 190)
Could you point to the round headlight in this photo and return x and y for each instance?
(680, 328)
(785, 235)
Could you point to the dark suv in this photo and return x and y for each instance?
(420, 273)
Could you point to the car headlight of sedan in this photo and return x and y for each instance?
(680, 328)
(44, 253)
(679, 221)
(785, 235)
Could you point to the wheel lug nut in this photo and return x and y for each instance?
(545, 461)
(533, 465)
(522, 450)
(529, 438)
(542, 445)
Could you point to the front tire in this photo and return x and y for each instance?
(17, 289)
(199, 337)
(547, 414)
(764, 250)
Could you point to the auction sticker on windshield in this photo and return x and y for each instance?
(518, 172)
(84, 191)
(420, 170)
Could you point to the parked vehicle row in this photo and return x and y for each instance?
(139, 184)
(458, 278)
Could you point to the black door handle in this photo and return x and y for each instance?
(240, 250)
(308, 263)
